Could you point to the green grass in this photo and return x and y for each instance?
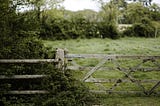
(145, 46)
(123, 46)
(130, 101)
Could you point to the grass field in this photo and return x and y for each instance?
(146, 46)
(123, 46)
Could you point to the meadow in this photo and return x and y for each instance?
(123, 46)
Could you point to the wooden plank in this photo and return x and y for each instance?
(94, 69)
(133, 80)
(102, 80)
(108, 56)
(148, 69)
(87, 56)
(99, 85)
(2, 77)
(31, 61)
(119, 92)
(81, 68)
(98, 91)
(27, 92)
(154, 87)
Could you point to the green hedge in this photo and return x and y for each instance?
(64, 90)
(143, 29)
(61, 29)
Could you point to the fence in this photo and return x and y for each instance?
(142, 64)
(58, 62)
(107, 63)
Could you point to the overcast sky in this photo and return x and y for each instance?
(75, 5)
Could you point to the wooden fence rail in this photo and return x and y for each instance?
(29, 61)
(109, 56)
(59, 63)
(3, 77)
(26, 92)
(63, 60)
(127, 78)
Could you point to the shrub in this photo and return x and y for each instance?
(66, 91)
(108, 30)
(63, 88)
(143, 29)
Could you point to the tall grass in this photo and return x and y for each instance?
(126, 46)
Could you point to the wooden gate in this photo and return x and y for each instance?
(129, 74)
(113, 65)
(59, 62)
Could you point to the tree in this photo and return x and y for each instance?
(17, 31)
(144, 2)
(19, 39)
(145, 28)
(135, 12)
(42, 5)
(155, 12)
(108, 20)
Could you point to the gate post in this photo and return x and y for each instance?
(60, 57)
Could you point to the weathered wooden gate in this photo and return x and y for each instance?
(127, 74)
(143, 64)
(58, 62)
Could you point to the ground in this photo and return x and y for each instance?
(126, 46)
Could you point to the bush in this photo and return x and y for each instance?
(19, 40)
(66, 91)
(63, 88)
(60, 29)
(143, 29)
(108, 30)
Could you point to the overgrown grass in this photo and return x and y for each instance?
(123, 46)
(145, 46)
(130, 101)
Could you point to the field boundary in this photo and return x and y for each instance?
(63, 59)
(57, 62)
(128, 78)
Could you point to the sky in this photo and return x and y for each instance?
(76, 5)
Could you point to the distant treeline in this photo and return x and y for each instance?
(60, 29)
(104, 24)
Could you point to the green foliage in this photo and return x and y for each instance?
(19, 32)
(155, 12)
(60, 28)
(109, 13)
(135, 12)
(108, 30)
(143, 29)
(52, 30)
(82, 24)
(66, 91)
(19, 40)
(22, 45)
